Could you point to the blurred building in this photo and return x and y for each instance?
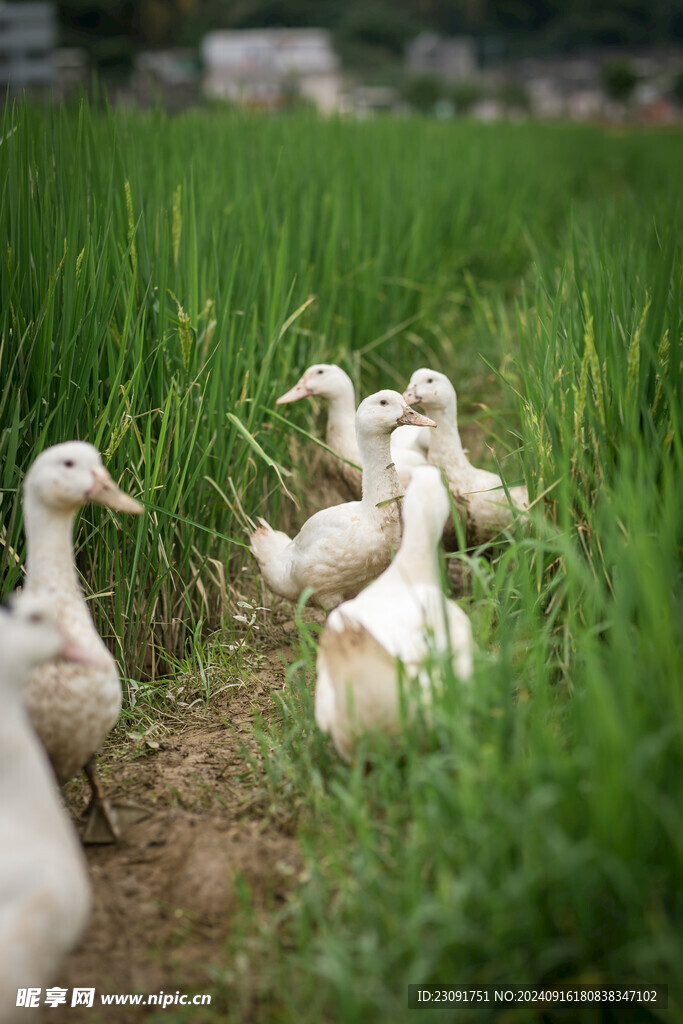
(28, 37)
(268, 67)
(452, 58)
(574, 86)
(365, 101)
(170, 77)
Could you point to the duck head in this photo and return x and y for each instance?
(323, 379)
(68, 475)
(384, 411)
(30, 635)
(431, 389)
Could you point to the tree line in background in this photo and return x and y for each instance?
(375, 31)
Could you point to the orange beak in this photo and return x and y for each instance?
(300, 390)
(105, 492)
(414, 419)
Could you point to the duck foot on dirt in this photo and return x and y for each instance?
(101, 821)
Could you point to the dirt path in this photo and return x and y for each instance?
(165, 896)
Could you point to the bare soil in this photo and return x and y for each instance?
(165, 896)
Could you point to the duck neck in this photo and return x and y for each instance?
(380, 479)
(340, 433)
(12, 716)
(27, 783)
(417, 560)
(445, 445)
(49, 547)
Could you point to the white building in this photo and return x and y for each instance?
(28, 36)
(453, 58)
(263, 67)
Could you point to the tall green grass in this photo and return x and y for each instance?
(162, 279)
(538, 839)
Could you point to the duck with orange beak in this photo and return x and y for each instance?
(332, 384)
(341, 548)
(487, 506)
(72, 706)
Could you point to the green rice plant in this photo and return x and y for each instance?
(537, 837)
(162, 279)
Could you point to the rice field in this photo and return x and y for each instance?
(163, 280)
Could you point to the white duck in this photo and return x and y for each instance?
(402, 615)
(72, 707)
(44, 885)
(409, 444)
(478, 493)
(340, 549)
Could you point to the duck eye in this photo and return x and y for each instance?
(35, 618)
(69, 463)
(320, 371)
(383, 402)
(430, 380)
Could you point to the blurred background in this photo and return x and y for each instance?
(584, 59)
